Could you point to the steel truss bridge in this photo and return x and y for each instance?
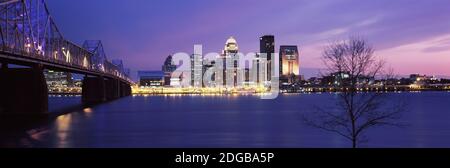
(29, 36)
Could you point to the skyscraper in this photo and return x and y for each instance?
(259, 70)
(289, 64)
(209, 73)
(230, 63)
(267, 46)
(196, 70)
(168, 68)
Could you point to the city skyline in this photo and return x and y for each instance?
(398, 30)
(270, 75)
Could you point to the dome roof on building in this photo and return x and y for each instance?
(231, 40)
(231, 45)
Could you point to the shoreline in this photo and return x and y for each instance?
(253, 93)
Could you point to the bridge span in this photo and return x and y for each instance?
(29, 37)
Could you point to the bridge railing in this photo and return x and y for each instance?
(27, 29)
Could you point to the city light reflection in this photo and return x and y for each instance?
(63, 126)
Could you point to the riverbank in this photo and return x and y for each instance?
(306, 91)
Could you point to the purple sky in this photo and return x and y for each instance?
(413, 36)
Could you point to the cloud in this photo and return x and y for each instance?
(345, 30)
(334, 32)
(440, 44)
(431, 56)
(429, 45)
(368, 22)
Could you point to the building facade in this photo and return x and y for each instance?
(259, 70)
(196, 70)
(289, 64)
(267, 46)
(168, 68)
(58, 81)
(230, 61)
(149, 79)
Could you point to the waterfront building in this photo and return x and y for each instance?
(230, 64)
(175, 82)
(267, 46)
(422, 79)
(196, 70)
(151, 78)
(259, 70)
(247, 77)
(289, 64)
(209, 73)
(57, 79)
(168, 68)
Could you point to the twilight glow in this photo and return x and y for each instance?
(412, 35)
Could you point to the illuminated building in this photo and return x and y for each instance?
(259, 70)
(196, 71)
(289, 64)
(230, 61)
(209, 72)
(247, 76)
(175, 82)
(267, 46)
(151, 78)
(58, 79)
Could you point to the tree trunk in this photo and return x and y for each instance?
(354, 143)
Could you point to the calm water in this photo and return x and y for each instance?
(227, 121)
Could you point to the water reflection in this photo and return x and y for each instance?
(225, 121)
(63, 124)
(88, 112)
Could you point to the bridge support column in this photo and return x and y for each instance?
(93, 90)
(23, 91)
(122, 89)
(112, 89)
(3, 71)
(129, 91)
(125, 89)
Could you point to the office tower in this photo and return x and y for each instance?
(246, 76)
(267, 46)
(196, 70)
(230, 62)
(259, 70)
(168, 68)
(289, 64)
(209, 73)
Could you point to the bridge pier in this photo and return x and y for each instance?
(112, 89)
(125, 89)
(3, 70)
(23, 91)
(129, 90)
(93, 90)
(99, 89)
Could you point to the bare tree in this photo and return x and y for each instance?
(351, 62)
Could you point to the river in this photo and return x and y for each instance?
(226, 122)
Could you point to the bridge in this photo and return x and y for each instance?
(31, 41)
